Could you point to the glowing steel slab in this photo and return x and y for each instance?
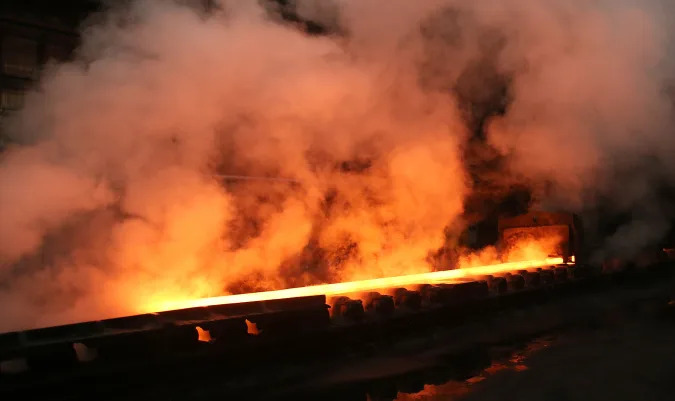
(446, 276)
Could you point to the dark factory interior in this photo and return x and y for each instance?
(337, 200)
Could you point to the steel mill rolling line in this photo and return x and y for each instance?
(300, 322)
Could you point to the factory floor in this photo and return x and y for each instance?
(620, 346)
(613, 340)
(624, 357)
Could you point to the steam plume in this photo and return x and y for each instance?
(113, 200)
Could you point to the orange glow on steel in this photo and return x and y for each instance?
(438, 277)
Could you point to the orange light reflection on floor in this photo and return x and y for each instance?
(438, 277)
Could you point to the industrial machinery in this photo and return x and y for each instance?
(239, 337)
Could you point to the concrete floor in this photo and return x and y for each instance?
(629, 356)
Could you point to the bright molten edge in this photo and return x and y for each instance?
(438, 277)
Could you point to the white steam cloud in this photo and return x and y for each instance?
(112, 202)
